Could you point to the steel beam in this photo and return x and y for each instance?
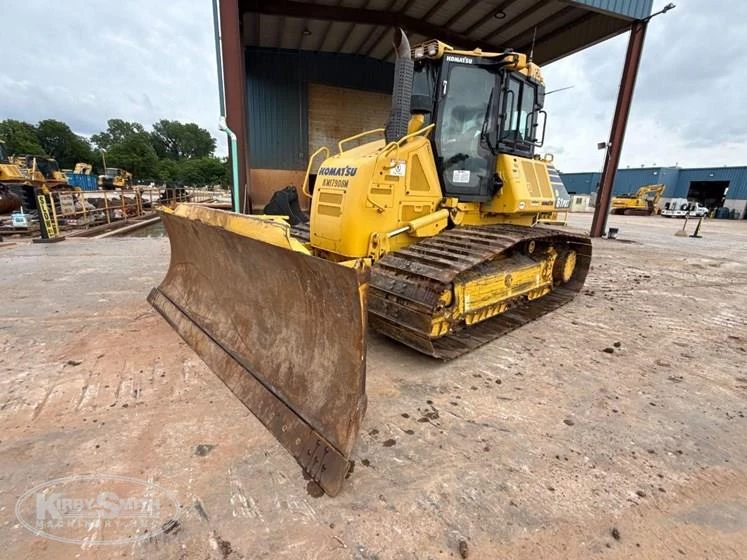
(291, 8)
(528, 34)
(492, 13)
(619, 123)
(234, 84)
(516, 20)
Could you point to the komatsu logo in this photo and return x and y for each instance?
(462, 59)
(338, 171)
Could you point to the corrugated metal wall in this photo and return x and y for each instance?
(634, 9)
(277, 98)
(626, 180)
(677, 180)
(737, 177)
(581, 183)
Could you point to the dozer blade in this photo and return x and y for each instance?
(285, 331)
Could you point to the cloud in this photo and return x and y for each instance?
(86, 61)
(89, 61)
(688, 106)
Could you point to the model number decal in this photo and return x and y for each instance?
(335, 183)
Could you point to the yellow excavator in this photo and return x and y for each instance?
(643, 202)
(428, 230)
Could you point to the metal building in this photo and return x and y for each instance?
(299, 74)
(713, 187)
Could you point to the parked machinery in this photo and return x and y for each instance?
(10, 172)
(429, 234)
(115, 178)
(643, 202)
(83, 168)
(43, 171)
(12, 184)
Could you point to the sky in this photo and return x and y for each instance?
(85, 61)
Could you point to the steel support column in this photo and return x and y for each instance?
(619, 123)
(234, 82)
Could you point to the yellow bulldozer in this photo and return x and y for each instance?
(41, 171)
(428, 230)
(114, 178)
(10, 177)
(643, 202)
(10, 171)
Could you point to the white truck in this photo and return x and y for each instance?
(681, 207)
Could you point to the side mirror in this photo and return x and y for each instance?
(541, 140)
(540, 101)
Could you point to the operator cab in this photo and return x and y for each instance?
(3, 153)
(45, 165)
(483, 107)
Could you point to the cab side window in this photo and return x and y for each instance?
(519, 112)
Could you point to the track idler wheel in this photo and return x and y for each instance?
(565, 265)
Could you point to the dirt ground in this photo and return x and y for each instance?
(613, 428)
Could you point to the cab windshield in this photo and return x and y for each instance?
(111, 172)
(3, 154)
(46, 166)
(465, 163)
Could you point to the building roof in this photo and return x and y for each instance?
(363, 27)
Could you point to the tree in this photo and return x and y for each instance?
(135, 154)
(61, 143)
(176, 140)
(117, 131)
(20, 138)
(168, 171)
(202, 171)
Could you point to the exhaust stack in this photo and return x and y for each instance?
(399, 117)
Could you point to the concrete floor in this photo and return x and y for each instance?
(613, 428)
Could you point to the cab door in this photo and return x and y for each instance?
(466, 115)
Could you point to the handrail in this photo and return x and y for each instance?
(397, 143)
(355, 137)
(308, 169)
